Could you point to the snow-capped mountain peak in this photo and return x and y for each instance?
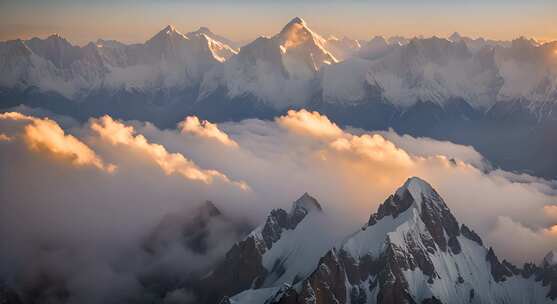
(169, 29)
(278, 70)
(279, 220)
(306, 203)
(234, 46)
(422, 193)
(276, 252)
(298, 37)
(169, 33)
(415, 193)
(296, 21)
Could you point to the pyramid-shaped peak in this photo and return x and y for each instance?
(296, 20)
(415, 193)
(295, 25)
(169, 29)
(416, 186)
(307, 203)
(167, 33)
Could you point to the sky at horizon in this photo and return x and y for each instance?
(81, 21)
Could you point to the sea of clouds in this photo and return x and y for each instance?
(78, 200)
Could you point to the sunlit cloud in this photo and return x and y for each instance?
(553, 230)
(374, 147)
(551, 212)
(205, 129)
(4, 137)
(43, 134)
(308, 123)
(118, 133)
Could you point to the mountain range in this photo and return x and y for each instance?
(460, 89)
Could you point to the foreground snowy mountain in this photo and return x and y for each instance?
(413, 250)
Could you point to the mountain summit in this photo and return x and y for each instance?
(275, 253)
(299, 42)
(277, 69)
(413, 250)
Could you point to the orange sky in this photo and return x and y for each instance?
(137, 20)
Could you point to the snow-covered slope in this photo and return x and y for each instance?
(481, 72)
(413, 250)
(432, 69)
(342, 49)
(221, 47)
(285, 249)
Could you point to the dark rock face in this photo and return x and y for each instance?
(393, 206)
(432, 300)
(499, 271)
(393, 286)
(240, 270)
(277, 221)
(528, 270)
(280, 220)
(438, 220)
(470, 234)
(548, 276)
(325, 284)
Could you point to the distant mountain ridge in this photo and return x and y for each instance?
(296, 61)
